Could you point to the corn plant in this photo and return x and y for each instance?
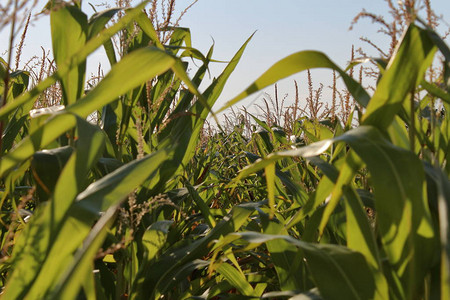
(73, 176)
(379, 208)
(139, 203)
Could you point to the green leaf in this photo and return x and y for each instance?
(306, 151)
(398, 180)
(440, 198)
(156, 278)
(323, 190)
(295, 63)
(46, 167)
(147, 27)
(69, 33)
(46, 223)
(435, 91)
(74, 177)
(185, 129)
(201, 205)
(360, 238)
(310, 295)
(97, 23)
(134, 66)
(155, 237)
(41, 260)
(236, 279)
(179, 36)
(403, 216)
(339, 272)
(99, 20)
(269, 170)
(80, 268)
(285, 257)
(74, 61)
(348, 171)
(359, 234)
(404, 72)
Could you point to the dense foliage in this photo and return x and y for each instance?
(140, 203)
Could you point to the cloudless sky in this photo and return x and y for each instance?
(285, 27)
(282, 28)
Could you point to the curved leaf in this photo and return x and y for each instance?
(103, 37)
(404, 72)
(69, 34)
(44, 260)
(137, 67)
(295, 63)
(99, 20)
(339, 272)
(156, 278)
(403, 214)
(236, 279)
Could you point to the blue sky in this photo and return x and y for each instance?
(283, 27)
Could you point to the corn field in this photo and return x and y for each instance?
(116, 189)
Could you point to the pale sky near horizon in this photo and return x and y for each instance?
(281, 29)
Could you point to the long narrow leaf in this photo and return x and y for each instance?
(137, 67)
(339, 272)
(295, 63)
(97, 198)
(404, 72)
(69, 33)
(94, 43)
